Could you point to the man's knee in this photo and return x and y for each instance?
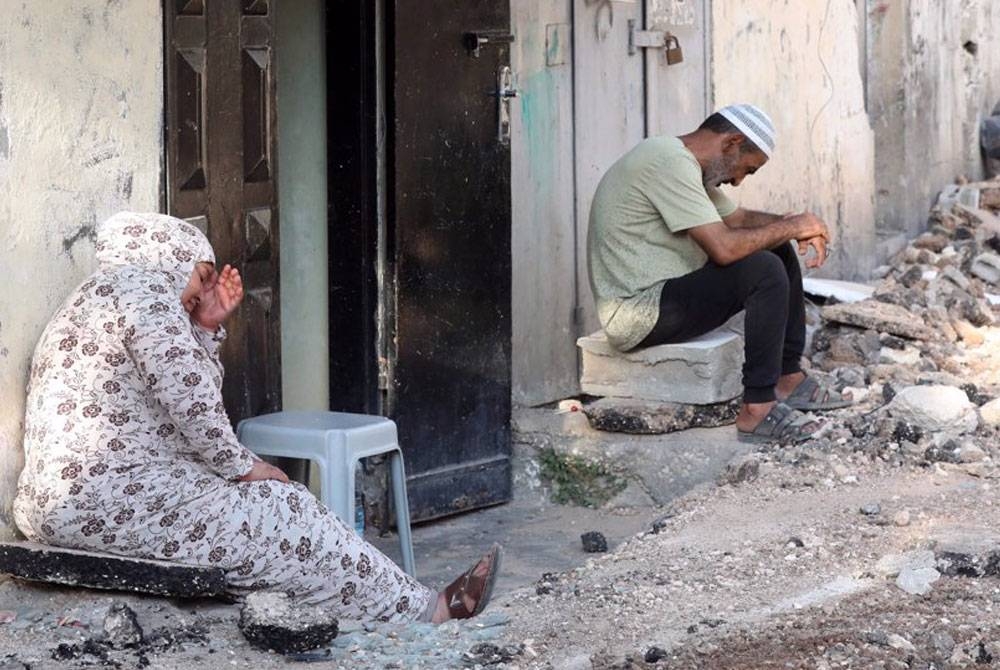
(764, 269)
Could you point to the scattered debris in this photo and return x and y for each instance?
(741, 470)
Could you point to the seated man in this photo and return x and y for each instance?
(671, 257)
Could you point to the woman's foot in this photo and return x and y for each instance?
(468, 595)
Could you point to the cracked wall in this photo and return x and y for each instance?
(81, 137)
(933, 73)
(800, 62)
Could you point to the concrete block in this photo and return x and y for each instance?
(703, 371)
(42, 563)
(271, 621)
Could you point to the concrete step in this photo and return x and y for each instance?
(702, 371)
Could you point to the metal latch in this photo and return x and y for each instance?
(505, 91)
(654, 39)
(474, 41)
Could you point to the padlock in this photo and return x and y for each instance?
(674, 53)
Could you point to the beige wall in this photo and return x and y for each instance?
(81, 135)
(927, 94)
(799, 61)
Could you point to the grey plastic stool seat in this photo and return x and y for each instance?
(336, 441)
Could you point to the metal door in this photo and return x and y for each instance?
(220, 132)
(677, 95)
(449, 211)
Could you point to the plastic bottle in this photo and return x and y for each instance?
(359, 503)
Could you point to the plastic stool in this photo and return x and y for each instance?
(336, 441)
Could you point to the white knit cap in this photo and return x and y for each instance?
(753, 123)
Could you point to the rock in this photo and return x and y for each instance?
(594, 542)
(702, 371)
(652, 418)
(969, 334)
(906, 432)
(879, 316)
(986, 266)
(899, 642)
(970, 453)
(741, 470)
(931, 242)
(942, 644)
(891, 565)
(121, 627)
(871, 509)
(270, 620)
(888, 392)
(908, 356)
(655, 654)
(43, 563)
(948, 452)
(935, 408)
(917, 581)
(955, 276)
(966, 552)
(975, 396)
(990, 413)
(851, 375)
(901, 518)
(911, 277)
(487, 653)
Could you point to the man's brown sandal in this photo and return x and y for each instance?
(478, 588)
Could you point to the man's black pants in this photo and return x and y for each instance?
(768, 285)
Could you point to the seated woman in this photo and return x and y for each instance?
(129, 450)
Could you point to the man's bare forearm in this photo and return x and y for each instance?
(748, 218)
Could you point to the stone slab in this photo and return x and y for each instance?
(703, 371)
(842, 291)
(42, 563)
(881, 316)
(638, 417)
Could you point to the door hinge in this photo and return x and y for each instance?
(383, 373)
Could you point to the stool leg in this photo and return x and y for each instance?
(402, 504)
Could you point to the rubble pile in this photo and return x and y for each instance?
(920, 356)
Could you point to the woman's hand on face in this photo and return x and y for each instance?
(262, 470)
(220, 297)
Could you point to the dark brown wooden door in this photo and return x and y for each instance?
(220, 135)
(449, 204)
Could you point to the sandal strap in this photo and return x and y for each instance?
(784, 422)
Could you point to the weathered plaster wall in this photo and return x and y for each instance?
(81, 135)
(933, 72)
(799, 61)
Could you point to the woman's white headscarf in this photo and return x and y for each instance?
(155, 242)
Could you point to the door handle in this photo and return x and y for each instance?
(506, 90)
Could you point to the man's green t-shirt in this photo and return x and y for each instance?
(636, 240)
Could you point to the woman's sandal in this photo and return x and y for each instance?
(478, 588)
(782, 425)
(813, 395)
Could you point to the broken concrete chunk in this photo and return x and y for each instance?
(990, 413)
(891, 565)
(594, 542)
(986, 266)
(841, 291)
(741, 470)
(967, 552)
(935, 408)
(41, 563)
(917, 581)
(640, 417)
(703, 371)
(121, 627)
(880, 316)
(271, 621)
